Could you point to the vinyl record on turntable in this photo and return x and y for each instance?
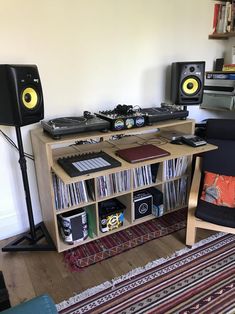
(66, 121)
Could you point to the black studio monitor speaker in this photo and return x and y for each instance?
(21, 99)
(21, 103)
(187, 81)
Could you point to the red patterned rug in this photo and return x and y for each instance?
(110, 245)
(198, 280)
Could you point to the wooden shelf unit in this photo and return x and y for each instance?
(47, 151)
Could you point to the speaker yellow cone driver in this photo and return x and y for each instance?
(29, 98)
(190, 86)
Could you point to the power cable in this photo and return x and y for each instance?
(12, 143)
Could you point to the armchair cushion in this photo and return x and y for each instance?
(220, 215)
(220, 132)
(219, 189)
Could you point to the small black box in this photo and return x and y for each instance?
(143, 202)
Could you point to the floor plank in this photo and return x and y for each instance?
(28, 274)
(17, 276)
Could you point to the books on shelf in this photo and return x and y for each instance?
(220, 75)
(229, 67)
(216, 16)
(223, 19)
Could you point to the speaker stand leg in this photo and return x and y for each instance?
(29, 241)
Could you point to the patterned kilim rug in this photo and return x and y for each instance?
(113, 244)
(197, 280)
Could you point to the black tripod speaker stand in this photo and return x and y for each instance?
(38, 238)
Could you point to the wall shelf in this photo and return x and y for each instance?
(222, 36)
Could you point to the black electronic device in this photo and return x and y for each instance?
(71, 125)
(166, 112)
(193, 140)
(187, 80)
(21, 99)
(123, 117)
(219, 63)
(81, 164)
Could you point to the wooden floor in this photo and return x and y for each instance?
(29, 274)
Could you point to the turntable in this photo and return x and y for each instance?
(165, 112)
(71, 125)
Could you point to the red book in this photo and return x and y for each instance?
(216, 16)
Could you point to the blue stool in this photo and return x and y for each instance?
(39, 305)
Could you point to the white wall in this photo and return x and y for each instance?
(92, 55)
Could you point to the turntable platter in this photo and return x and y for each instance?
(67, 121)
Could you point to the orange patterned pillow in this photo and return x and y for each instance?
(219, 189)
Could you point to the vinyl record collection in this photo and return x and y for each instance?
(175, 167)
(114, 183)
(68, 195)
(175, 193)
(145, 175)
